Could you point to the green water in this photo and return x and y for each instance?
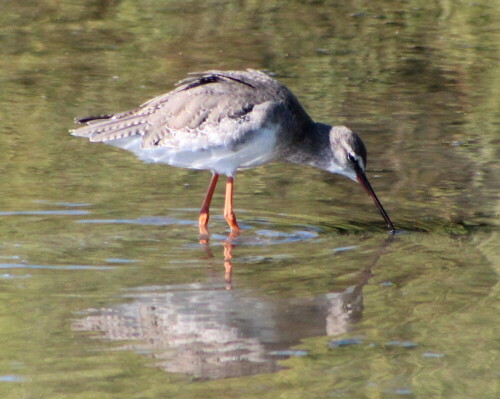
(106, 291)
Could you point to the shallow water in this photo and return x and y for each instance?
(106, 289)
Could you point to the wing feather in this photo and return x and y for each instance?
(209, 104)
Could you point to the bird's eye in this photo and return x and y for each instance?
(351, 157)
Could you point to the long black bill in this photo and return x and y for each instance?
(362, 179)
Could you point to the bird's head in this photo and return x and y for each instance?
(349, 152)
(349, 159)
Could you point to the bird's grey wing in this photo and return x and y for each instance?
(119, 125)
(206, 109)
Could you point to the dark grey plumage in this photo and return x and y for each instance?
(200, 104)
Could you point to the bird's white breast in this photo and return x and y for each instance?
(257, 148)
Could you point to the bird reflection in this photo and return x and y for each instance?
(210, 331)
(228, 245)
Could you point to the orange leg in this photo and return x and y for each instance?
(228, 207)
(205, 206)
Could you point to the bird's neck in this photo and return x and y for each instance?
(312, 148)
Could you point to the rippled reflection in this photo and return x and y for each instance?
(213, 330)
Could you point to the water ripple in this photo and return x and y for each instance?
(56, 267)
(11, 378)
(146, 220)
(42, 212)
(68, 204)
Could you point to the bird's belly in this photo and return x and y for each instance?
(256, 150)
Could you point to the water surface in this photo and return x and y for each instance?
(106, 289)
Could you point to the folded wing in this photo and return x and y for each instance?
(205, 110)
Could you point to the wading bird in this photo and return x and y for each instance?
(224, 121)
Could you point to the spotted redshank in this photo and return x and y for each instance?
(224, 121)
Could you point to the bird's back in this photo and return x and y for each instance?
(209, 115)
(210, 103)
